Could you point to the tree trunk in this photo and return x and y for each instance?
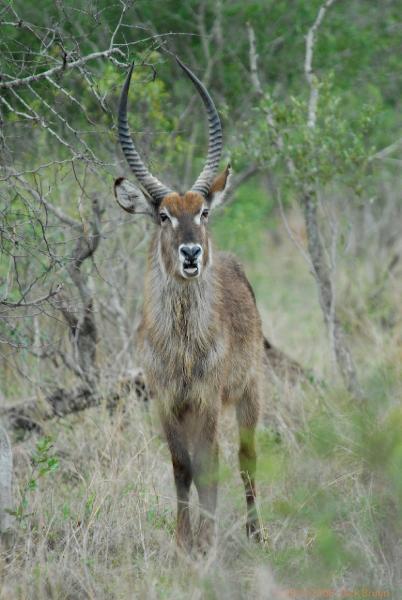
(326, 297)
(81, 320)
(6, 466)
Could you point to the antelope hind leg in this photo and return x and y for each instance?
(247, 417)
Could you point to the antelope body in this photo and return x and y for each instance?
(200, 337)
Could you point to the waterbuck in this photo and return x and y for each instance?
(200, 337)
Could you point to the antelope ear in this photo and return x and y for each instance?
(131, 198)
(219, 188)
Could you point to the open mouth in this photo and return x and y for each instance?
(190, 269)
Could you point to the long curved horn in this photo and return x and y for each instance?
(151, 184)
(210, 169)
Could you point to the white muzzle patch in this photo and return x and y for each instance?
(190, 256)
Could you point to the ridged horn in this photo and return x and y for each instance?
(151, 184)
(204, 181)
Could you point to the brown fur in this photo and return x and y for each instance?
(219, 182)
(201, 346)
(178, 205)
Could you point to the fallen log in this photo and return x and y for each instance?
(28, 416)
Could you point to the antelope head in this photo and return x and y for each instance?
(183, 243)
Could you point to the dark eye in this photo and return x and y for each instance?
(205, 213)
(163, 217)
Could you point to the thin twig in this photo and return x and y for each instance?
(36, 302)
(61, 67)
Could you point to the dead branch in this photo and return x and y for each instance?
(62, 66)
(253, 57)
(83, 328)
(308, 63)
(36, 302)
(385, 152)
(278, 140)
(29, 415)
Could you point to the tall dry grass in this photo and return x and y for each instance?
(101, 526)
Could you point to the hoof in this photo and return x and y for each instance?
(206, 539)
(254, 531)
(184, 544)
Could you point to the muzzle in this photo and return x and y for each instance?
(190, 257)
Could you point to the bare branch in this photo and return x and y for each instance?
(64, 121)
(36, 117)
(278, 140)
(41, 200)
(308, 63)
(385, 152)
(36, 302)
(253, 56)
(17, 112)
(61, 67)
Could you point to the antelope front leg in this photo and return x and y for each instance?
(182, 471)
(205, 470)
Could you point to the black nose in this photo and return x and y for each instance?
(190, 253)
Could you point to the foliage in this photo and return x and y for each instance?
(241, 226)
(44, 462)
(337, 148)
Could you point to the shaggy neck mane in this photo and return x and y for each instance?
(180, 309)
